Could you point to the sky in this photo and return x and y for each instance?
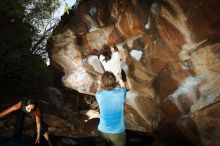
(60, 11)
(57, 15)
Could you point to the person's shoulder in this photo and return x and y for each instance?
(116, 55)
(120, 89)
(98, 92)
(101, 58)
(124, 89)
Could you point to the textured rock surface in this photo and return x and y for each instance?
(174, 77)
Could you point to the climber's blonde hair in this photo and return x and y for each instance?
(108, 81)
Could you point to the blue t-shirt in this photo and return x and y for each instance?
(111, 106)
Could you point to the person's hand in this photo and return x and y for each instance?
(94, 52)
(37, 140)
(115, 48)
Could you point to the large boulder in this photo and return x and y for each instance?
(170, 53)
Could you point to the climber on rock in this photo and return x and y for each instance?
(111, 61)
(27, 107)
(111, 101)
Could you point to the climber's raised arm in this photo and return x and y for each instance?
(10, 109)
(121, 82)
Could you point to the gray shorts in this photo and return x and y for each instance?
(115, 139)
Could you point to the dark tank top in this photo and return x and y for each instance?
(30, 114)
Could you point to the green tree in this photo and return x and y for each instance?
(24, 28)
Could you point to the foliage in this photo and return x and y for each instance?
(31, 77)
(24, 27)
(38, 13)
(67, 8)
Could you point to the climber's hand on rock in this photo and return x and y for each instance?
(37, 140)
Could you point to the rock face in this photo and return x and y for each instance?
(170, 52)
